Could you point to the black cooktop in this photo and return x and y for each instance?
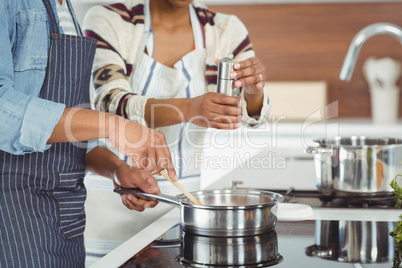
(292, 244)
(317, 199)
(313, 244)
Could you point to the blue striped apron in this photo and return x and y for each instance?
(42, 195)
(185, 80)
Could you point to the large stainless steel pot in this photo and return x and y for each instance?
(357, 165)
(353, 241)
(224, 213)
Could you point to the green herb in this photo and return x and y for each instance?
(397, 191)
(397, 232)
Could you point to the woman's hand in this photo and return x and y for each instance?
(147, 148)
(129, 177)
(250, 74)
(214, 110)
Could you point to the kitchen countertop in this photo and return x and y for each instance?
(283, 135)
(136, 243)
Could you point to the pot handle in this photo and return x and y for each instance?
(318, 150)
(318, 251)
(140, 194)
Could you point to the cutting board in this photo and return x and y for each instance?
(297, 100)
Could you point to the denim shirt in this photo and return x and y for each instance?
(26, 121)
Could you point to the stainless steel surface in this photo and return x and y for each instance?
(224, 213)
(336, 225)
(225, 84)
(357, 165)
(231, 212)
(358, 41)
(353, 241)
(294, 238)
(250, 251)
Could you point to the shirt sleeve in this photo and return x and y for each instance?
(111, 70)
(27, 121)
(266, 108)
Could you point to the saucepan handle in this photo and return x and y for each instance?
(140, 194)
(319, 150)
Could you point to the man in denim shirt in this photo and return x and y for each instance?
(44, 74)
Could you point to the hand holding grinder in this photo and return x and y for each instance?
(225, 83)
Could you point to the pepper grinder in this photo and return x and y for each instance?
(225, 84)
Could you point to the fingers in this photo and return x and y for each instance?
(150, 162)
(249, 71)
(134, 203)
(152, 155)
(248, 80)
(164, 158)
(226, 110)
(149, 185)
(250, 62)
(222, 99)
(219, 122)
(218, 111)
(223, 125)
(172, 174)
(146, 183)
(153, 186)
(130, 177)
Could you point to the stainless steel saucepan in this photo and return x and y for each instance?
(357, 165)
(223, 213)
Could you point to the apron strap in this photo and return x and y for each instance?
(77, 25)
(53, 22)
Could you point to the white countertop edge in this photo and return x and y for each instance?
(135, 244)
(357, 214)
(348, 214)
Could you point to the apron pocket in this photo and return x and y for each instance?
(32, 40)
(71, 195)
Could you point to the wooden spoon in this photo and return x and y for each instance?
(181, 188)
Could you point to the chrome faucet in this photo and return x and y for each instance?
(361, 37)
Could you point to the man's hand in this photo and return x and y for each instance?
(147, 148)
(129, 177)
